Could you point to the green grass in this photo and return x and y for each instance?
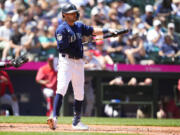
(94, 121)
(50, 133)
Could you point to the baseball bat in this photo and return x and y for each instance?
(118, 32)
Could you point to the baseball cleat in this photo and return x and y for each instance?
(52, 123)
(80, 126)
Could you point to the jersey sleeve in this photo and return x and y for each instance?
(86, 30)
(40, 74)
(61, 38)
(9, 84)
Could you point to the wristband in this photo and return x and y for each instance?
(105, 30)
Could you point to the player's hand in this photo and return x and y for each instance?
(43, 82)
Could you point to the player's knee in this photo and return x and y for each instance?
(61, 92)
(79, 97)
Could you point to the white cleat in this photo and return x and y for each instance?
(80, 126)
(52, 122)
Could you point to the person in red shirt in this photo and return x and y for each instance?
(178, 87)
(168, 109)
(47, 77)
(5, 98)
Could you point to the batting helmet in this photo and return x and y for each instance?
(70, 8)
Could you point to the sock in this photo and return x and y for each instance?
(49, 108)
(77, 112)
(57, 105)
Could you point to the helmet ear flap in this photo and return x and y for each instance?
(77, 15)
(62, 15)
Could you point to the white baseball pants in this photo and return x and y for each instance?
(71, 70)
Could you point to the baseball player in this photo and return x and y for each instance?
(9, 99)
(71, 65)
(6, 82)
(47, 78)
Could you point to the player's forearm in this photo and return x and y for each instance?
(42, 82)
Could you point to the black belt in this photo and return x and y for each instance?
(69, 56)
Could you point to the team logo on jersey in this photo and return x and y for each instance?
(59, 37)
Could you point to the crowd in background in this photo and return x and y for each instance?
(28, 26)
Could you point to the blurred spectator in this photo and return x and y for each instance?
(16, 39)
(14, 43)
(171, 32)
(51, 12)
(30, 43)
(85, 16)
(91, 64)
(128, 15)
(139, 26)
(114, 5)
(113, 17)
(54, 22)
(134, 50)
(176, 8)
(79, 3)
(42, 26)
(9, 6)
(3, 14)
(43, 4)
(155, 35)
(168, 51)
(168, 108)
(115, 49)
(136, 12)
(99, 13)
(101, 54)
(155, 38)
(122, 8)
(5, 98)
(164, 8)
(148, 17)
(48, 42)
(47, 78)
(128, 25)
(18, 15)
(5, 34)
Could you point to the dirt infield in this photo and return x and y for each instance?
(145, 130)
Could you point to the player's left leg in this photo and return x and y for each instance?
(64, 76)
(49, 93)
(78, 87)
